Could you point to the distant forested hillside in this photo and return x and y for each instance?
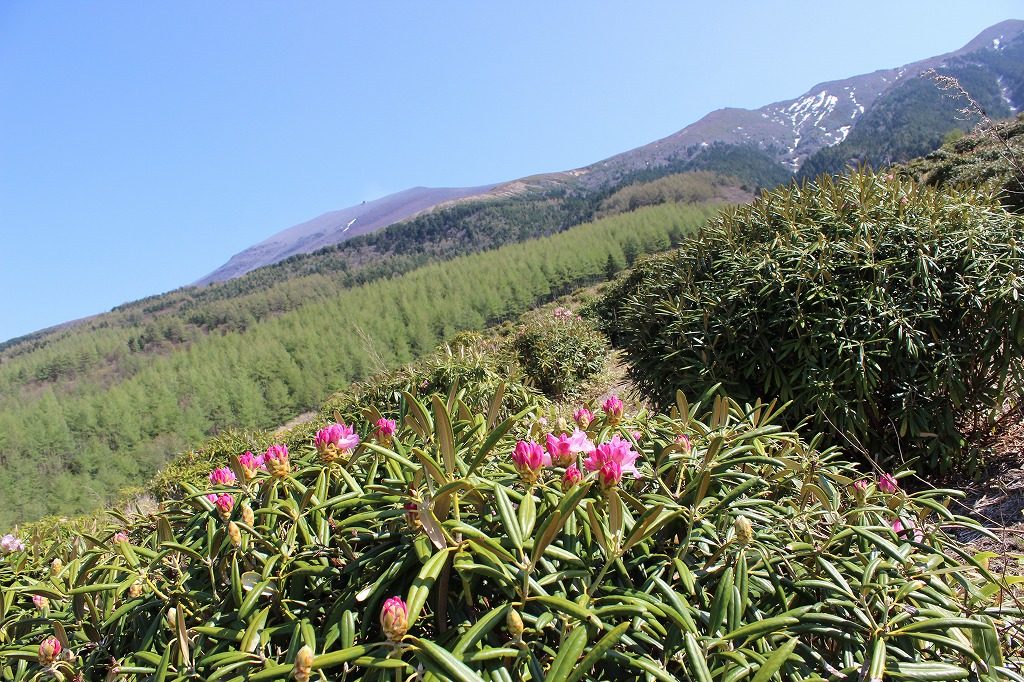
(106, 405)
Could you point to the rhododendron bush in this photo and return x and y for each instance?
(444, 544)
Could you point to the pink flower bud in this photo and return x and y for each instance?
(394, 619)
(637, 436)
(120, 537)
(222, 476)
(528, 458)
(41, 603)
(276, 460)
(385, 429)
(683, 441)
(572, 477)
(613, 408)
(860, 490)
(303, 666)
(610, 474)
(887, 483)
(583, 417)
(49, 650)
(223, 502)
(251, 464)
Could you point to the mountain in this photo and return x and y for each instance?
(790, 131)
(887, 116)
(337, 226)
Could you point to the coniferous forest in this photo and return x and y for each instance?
(105, 406)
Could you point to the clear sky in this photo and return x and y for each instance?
(144, 143)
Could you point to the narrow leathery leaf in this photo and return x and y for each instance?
(431, 526)
(597, 652)
(720, 604)
(567, 607)
(453, 668)
(527, 514)
(568, 653)
(421, 586)
(940, 625)
(251, 636)
(697, 658)
(420, 419)
(509, 519)
(184, 654)
(931, 671)
(445, 436)
(651, 521)
(554, 522)
(432, 467)
(480, 629)
(614, 516)
(495, 407)
(775, 662)
(598, 529)
(761, 628)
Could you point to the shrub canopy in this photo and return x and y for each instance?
(890, 312)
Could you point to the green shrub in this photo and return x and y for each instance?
(743, 555)
(889, 312)
(559, 351)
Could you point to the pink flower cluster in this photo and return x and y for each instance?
(562, 313)
(223, 476)
(583, 417)
(610, 460)
(337, 436)
(10, 543)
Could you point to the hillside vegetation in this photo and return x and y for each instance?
(890, 314)
(84, 415)
(453, 536)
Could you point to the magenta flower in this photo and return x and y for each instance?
(224, 503)
(394, 618)
(528, 458)
(616, 450)
(385, 428)
(9, 543)
(583, 417)
(558, 451)
(335, 441)
(610, 474)
(903, 529)
(571, 477)
(613, 408)
(222, 476)
(251, 464)
(887, 483)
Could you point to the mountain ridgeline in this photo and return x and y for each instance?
(875, 119)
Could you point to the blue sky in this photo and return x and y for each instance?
(144, 143)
